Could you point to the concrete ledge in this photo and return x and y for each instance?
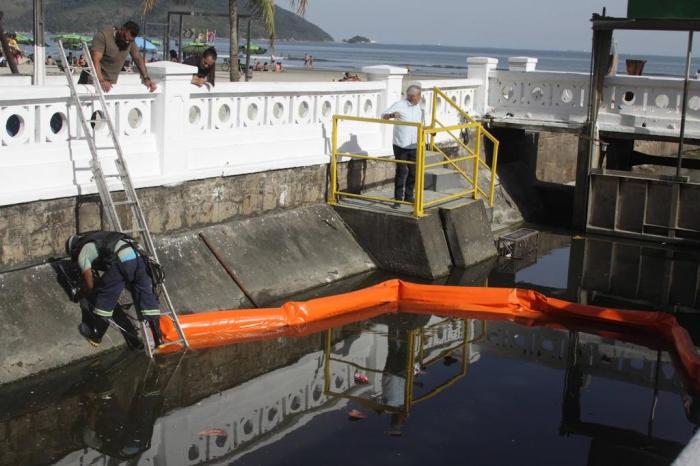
(196, 281)
(468, 232)
(400, 243)
(274, 255)
(280, 254)
(39, 325)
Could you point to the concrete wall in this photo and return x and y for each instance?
(556, 157)
(35, 231)
(38, 324)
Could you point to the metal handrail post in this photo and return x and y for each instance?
(420, 173)
(477, 156)
(494, 164)
(433, 119)
(332, 199)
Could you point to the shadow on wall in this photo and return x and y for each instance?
(539, 201)
(357, 168)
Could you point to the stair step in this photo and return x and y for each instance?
(443, 179)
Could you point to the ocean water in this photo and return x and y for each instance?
(444, 60)
(441, 60)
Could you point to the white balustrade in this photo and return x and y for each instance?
(178, 133)
(644, 105)
(649, 105)
(538, 95)
(181, 132)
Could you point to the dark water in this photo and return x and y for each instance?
(438, 390)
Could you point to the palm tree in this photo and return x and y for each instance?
(265, 9)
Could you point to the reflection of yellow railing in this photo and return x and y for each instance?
(415, 354)
(424, 133)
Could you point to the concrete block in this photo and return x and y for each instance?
(39, 325)
(195, 279)
(468, 232)
(443, 179)
(280, 254)
(400, 243)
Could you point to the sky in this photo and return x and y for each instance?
(522, 24)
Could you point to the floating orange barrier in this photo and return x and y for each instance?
(527, 307)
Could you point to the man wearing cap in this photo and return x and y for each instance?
(122, 266)
(109, 51)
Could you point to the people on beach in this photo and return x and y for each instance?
(257, 66)
(109, 50)
(82, 62)
(206, 67)
(15, 49)
(347, 76)
(278, 67)
(306, 60)
(110, 261)
(311, 62)
(266, 67)
(405, 142)
(50, 61)
(173, 56)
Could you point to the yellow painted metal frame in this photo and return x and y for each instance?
(425, 135)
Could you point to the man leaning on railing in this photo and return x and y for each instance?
(109, 51)
(405, 142)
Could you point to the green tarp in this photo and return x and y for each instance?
(679, 9)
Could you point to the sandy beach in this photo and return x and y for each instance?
(289, 75)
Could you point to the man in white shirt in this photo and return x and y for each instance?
(405, 141)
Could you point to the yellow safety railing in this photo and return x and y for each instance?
(424, 133)
(437, 127)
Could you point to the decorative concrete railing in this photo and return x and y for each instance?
(649, 105)
(539, 96)
(642, 105)
(182, 132)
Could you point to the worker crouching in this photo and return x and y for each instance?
(109, 262)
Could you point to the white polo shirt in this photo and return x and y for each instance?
(406, 136)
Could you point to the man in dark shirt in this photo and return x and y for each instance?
(109, 51)
(206, 67)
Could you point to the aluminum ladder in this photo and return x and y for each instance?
(123, 181)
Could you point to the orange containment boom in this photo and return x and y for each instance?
(654, 329)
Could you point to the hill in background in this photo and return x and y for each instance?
(88, 16)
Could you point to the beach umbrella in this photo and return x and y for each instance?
(255, 49)
(155, 42)
(195, 47)
(72, 41)
(143, 44)
(24, 40)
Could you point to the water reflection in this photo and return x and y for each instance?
(121, 410)
(408, 375)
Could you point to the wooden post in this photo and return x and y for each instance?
(588, 142)
(6, 49)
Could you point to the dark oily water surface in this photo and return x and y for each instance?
(395, 389)
(525, 396)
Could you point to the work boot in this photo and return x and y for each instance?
(89, 334)
(155, 331)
